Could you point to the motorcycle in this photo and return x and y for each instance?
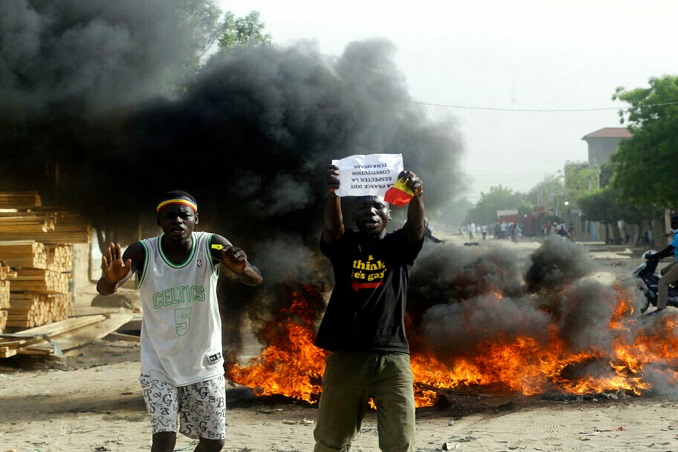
(647, 280)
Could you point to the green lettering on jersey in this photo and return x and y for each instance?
(178, 295)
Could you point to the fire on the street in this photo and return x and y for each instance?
(293, 366)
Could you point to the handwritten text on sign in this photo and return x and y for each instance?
(368, 175)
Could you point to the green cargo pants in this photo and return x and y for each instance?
(349, 381)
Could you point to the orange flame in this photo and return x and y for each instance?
(294, 367)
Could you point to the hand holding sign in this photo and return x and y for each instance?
(373, 175)
(332, 178)
(367, 175)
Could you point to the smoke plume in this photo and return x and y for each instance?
(89, 122)
(92, 127)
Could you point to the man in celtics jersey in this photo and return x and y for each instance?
(182, 368)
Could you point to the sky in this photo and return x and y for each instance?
(522, 80)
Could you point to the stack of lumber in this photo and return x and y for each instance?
(19, 200)
(39, 292)
(60, 258)
(45, 225)
(22, 216)
(26, 223)
(5, 274)
(36, 243)
(27, 310)
(24, 253)
(39, 281)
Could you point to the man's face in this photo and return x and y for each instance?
(371, 214)
(177, 221)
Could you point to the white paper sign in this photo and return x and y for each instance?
(368, 175)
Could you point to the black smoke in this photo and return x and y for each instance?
(69, 71)
(89, 123)
(82, 97)
(463, 298)
(465, 301)
(557, 263)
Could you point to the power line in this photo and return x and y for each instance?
(537, 110)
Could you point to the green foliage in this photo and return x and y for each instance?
(499, 198)
(604, 206)
(547, 192)
(242, 31)
(645, 162)
(580, 178)
(607, 171)
(204, 19)
(600, 206)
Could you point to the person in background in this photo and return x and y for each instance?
(483, 230)
(182, 368)
(471, 229)
(429, 234)
(497, 231)
(670, 272)
(364, 324)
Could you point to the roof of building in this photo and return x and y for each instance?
(609, 132)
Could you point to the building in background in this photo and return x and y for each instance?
(602, 144)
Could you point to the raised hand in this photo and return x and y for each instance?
(412, 181)
(234, 258)
(332, 178)
(114, 268)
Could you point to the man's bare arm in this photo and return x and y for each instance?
(414, 227)
(333, 225)
(235, 259)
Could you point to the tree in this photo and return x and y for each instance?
(499, 198)
(546, 192)
(644, 173)
(242, 31)
(604, 207)
(204, 19)
(580, 178)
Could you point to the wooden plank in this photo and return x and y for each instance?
(123, 337)
(80, 336)
(42, 334)
(20, 199)
(56, 328)
(7, 352)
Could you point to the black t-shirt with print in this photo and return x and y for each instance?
(366, 311)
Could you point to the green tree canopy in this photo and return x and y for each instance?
(604, 206)
(580, 178)
(547, 192)
(242, 31)
(498, 198)
(202, 19)
(211, 27)
(645, 162)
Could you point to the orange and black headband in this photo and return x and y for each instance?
(184, 201)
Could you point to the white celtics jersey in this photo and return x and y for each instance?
(181, 327)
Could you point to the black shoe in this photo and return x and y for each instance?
(657, 311)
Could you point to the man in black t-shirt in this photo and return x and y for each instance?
(364, 324)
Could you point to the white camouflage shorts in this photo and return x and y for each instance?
(200, 407)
